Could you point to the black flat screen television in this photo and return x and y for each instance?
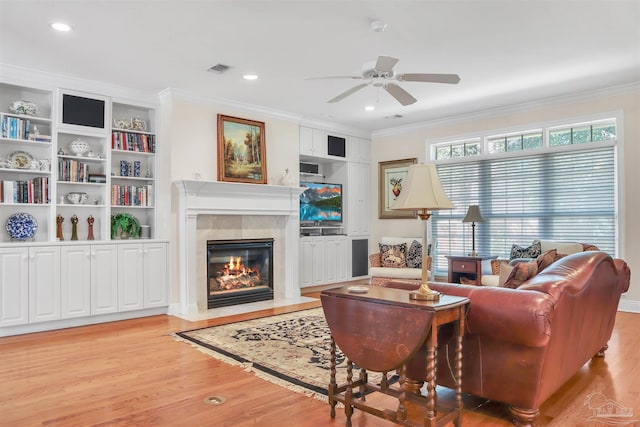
(321, 202)
(81, 111)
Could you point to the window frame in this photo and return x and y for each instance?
(546, 127)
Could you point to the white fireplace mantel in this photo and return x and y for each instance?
(230, 198)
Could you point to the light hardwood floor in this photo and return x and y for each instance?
(133, 373)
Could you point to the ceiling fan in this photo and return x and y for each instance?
(383, 75)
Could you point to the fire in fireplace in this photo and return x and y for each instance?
(239, 271)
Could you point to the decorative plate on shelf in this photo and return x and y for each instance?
(20, 159)
(21, 226)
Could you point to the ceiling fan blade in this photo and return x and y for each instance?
(430, 78)
(385, 64)
(401, 95)
(335, 77)
(344, 94)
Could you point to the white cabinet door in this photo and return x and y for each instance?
(130, 277)
(336, 259)
(14, 286)
(312, 261)
(313, 142)
(358, 199)
(358, 150)
(44, 283)
(104, 279)
(156, 275)
(75, 283)
(306, 141)
(306, 262)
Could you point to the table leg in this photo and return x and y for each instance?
(458, 364)
(364, 378)
(401, 413)
(348, 395)
(332, 380)
(430, 416)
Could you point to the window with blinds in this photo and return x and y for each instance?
(552, 195)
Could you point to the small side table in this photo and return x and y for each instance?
(469, 267)
(381, 330)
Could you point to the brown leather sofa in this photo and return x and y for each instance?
(522, 344)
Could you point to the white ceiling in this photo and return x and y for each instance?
(505, 51)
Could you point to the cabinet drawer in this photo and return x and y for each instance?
(464, 266)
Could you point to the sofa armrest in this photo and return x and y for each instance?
(374, 260)
(503, 314)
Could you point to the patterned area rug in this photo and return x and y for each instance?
(292, 350)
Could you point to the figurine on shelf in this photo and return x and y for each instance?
(59, 220)
(74, 227)
(90, 220)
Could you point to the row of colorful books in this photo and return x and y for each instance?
(131, 195)
(16, 128)
(127, 141)
(73, 171)
(35, 191)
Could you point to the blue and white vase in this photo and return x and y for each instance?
(136, 168)
(124, 168)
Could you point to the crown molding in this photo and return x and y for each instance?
(21, 76)
(221, 102)
(510, 109)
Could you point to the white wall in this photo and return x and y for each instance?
(410, 142)
(190, 139)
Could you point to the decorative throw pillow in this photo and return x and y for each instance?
(414, 255)
(394, 256)
(521, 273)
(546, 259)
(505, 271)
(532, 251)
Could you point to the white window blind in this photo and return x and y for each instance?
(562, 195)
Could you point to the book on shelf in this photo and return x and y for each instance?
(130, 195)
(97, 178)
(33, 191)
(138, 142)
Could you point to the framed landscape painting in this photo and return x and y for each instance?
(241, 150)
(392, 175)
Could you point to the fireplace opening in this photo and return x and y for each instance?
(239, 271)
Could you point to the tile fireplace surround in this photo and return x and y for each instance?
(211, 210)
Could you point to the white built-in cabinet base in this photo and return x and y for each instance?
(46, 286)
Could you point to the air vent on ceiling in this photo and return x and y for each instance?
(219, 68)
(395, 116)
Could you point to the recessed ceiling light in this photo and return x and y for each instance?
(250, 76)
(369, 108)
(60, 26)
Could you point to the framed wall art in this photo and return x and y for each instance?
(241, 150)
(392, 175)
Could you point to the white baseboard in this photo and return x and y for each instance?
(629, 305)
(80, 321)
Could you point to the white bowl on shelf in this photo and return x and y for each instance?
(77, 198)
(79, 147)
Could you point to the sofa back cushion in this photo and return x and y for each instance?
(566, 248)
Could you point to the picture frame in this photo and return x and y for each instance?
(391, 175)
(241, 150)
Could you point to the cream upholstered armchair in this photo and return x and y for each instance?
(402, 260)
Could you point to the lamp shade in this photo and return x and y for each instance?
(422, 190)
(473, 214)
